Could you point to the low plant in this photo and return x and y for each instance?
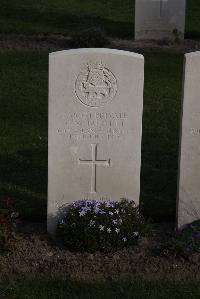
(8, 217)
(188, 239)
(184, 242)
(92, 225)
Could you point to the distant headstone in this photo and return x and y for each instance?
(159, 19)
(189, 172)
(95, 127)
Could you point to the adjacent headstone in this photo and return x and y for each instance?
(159, 19)
(189, 172)
(95, 127)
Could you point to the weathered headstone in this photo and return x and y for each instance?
(159, 19)
(95, 126)
(189, 168)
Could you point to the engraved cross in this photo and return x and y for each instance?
(94, 163)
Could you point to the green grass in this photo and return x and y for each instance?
(23, 132)
(116, 17)
(59, 289)
(161, 121)
(23, 123)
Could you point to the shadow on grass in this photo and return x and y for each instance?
(58, 288)
(23, 176)
(62, 21)
(160, 139)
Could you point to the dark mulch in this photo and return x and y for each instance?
(35, 255)
(55, 42)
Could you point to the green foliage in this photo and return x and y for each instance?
(92, 225)
(187, 240)
(90, 38)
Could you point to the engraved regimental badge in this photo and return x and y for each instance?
(96, 85)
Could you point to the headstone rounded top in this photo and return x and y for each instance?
(192, 54)
(97, 50)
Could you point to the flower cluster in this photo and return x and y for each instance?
(91, 225)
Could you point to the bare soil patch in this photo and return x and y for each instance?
(55, 42)
(35, 255)
(188, 45)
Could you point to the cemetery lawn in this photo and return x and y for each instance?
(24, 123)
(44, 289)
(116, 17)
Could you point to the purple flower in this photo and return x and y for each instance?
(101, 227)
(117, 230)
(109, 204)
(87, 203)
(92, 223)
(96, 210)
(114, 221)
(82, 213)
(109, 230)
(124, 239)
(111, 213)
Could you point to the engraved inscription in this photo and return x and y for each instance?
(93, 125)
(195, 131)
(94, 163)
(96, 85)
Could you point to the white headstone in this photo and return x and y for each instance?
(159, 19)
(95, 126)
(189, 168)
